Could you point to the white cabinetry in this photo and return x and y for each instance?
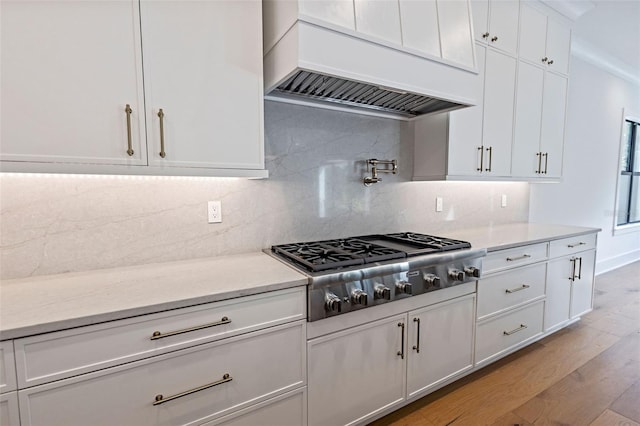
(225, 363)
(74, 99)
(440, 344)
(7, 367)
(570, 280)
(357, 373)
(544, 40)
(496, 22)
(475, 141)
(360, 373)
(9, 412)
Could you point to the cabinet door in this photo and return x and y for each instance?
(503, 25)
(558, 46)
(379, 18)
(582, 286)
(465, 129)
(455, 32)
(9, 413)
(440, 343)
(554, 102)
(203, 69)
(526, 159)
(69, 68)
(533, 29)
(480, 14)
(354, 374)
(420, 26)
(499, 92)
(558, 292)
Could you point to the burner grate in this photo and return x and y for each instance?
(428, 241)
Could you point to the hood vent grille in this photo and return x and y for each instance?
(362, 95)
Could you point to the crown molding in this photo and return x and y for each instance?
(572, 9)
(602, 59)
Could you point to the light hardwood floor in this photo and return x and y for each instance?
(585, 374)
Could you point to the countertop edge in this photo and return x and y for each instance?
(506, 246)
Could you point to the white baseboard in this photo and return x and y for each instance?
(616, 262)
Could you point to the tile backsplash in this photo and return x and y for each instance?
(60, 223)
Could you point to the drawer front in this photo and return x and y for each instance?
(54, 356)
(259, 366)
(285, 410)
(7, 367)
(510, 289)
(511, 258)
(572, 245)
(502, 333)
(9, 414)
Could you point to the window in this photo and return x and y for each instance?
(628, 199)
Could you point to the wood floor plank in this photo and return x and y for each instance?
(584, 394)
(628, 404)
(611, 418)
(613, 323)
(511, 419)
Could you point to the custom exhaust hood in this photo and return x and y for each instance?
(314, 62)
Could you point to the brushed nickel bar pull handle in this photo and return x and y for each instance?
(513, 290)
(546, 162)
(490, 149)
(158, 335)
(417, 345)
(401, 351)
(161, 115)
(513, 259)
(160, 399)
(580, 269)
(481, 149)
(577, 245)
(539, 155)
(515, 330)
(128, 111)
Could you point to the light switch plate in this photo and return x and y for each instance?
(438, 204)
(503, 200)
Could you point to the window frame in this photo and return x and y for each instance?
(634, 226)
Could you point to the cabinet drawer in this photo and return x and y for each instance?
(504, 259)
(183, 387)
(572, 245)
(53, 356)
(510, 289)
(285, 410)
(9, 415)
(497, 336)
(7, 367)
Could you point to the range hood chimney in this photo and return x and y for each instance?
(314, 62)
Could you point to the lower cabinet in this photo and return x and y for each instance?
(357, 374)
(184, 387)
(9, 412)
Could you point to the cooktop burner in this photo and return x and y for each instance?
(340, 253)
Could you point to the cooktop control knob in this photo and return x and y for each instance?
(359, 297)
(382, 292)
(472, 271)
(333, 303)
(404, 287)
(457, 275)
(432, 280)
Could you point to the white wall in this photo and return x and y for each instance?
(587, 193)
(51, 224)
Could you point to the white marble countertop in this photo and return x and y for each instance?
(49, 303)
(501, 237)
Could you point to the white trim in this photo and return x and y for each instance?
(633, 227)
(617, 261)
(586, 51)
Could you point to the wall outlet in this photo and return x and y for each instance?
(214, 210)
(438, 204)
(503, 200)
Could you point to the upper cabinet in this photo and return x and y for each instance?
(495, 23)
(74, 87)
(544, 40)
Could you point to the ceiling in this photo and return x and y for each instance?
(613, 26)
